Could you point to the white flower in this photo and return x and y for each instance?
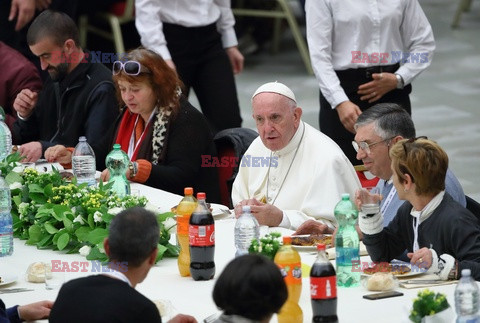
(97, 216)
(85, 250)
(170, 224)
(79, 195)
(74, 209)
(101, 249)
(15, 186)
(115, 210)
(79, 219)
(152, 208)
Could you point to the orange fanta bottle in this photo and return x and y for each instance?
(288, 260)
(184, 210)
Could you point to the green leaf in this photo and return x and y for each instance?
(46, 242)
(35, 234)
(48, 190)
(50, 228)
(161, 250)
(82, 233)
(90, 221)
(13, 177)
(38, 198)
(97, 235)
(95, 254)
(162, 217)
(35, 188)
(63, 240)
(67, 223)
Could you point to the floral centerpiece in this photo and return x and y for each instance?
(267, 245)
(52, 213)
(429, 304)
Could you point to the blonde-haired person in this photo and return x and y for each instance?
(438, 233)
(162, 133)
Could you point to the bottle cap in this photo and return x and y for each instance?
(82, 138)
(287, 240)
(246, 209)
(466, 272)
(345, 196)
(201, 196)
(188, 190)
(117, 146)
(321, 246)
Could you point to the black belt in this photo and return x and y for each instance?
(366, 72)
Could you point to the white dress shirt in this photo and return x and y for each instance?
(320, 173)
(338, 30)
(188, 13)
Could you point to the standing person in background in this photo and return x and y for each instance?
(364, 53)
(197, 39)
(18, 73)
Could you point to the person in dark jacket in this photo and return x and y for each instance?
(438, 233)
(164, 136)
(78, 98)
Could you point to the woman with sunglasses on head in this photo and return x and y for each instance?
(162, 133)
(439, 234)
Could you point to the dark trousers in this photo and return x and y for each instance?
(350, 80)
(203, 65)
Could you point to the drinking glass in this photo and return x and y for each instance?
(370, 198)
(53, 279)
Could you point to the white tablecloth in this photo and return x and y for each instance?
(195, 298)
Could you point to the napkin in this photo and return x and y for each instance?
(403, 281)
(331, 251)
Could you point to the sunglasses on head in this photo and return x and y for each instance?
(129, 67)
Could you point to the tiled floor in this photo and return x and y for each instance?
(445, 98)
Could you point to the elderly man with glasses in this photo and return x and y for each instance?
(377, 129)
(77, 99)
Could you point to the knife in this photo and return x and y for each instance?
(423, 281)
(14, 290)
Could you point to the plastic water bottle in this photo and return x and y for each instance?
(83, 162)
(346, 243)
(467, 299)
(246, 229)
(117, 163)
(5, 139)
(6, 229)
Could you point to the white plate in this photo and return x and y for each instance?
(304, 248)
(415, 271)
(219, 211)
(8, 279)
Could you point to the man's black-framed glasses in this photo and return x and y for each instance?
(132, 68)
(365, 146)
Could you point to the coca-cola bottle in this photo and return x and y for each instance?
(323, 288)
(201, 234)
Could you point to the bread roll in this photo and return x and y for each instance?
(381, 282)
(36, 272)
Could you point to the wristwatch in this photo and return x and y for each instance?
(452, 275)
(400, 83)
(133, 168)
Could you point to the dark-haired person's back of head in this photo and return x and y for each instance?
(251, 287)
(111, 296)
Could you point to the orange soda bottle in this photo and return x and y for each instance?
(184, 210)
(288, 260)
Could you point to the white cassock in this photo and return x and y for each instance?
(319, 174)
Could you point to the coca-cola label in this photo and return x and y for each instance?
(182, 224)
(323, 287)
(292, 273)
(201, 235)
